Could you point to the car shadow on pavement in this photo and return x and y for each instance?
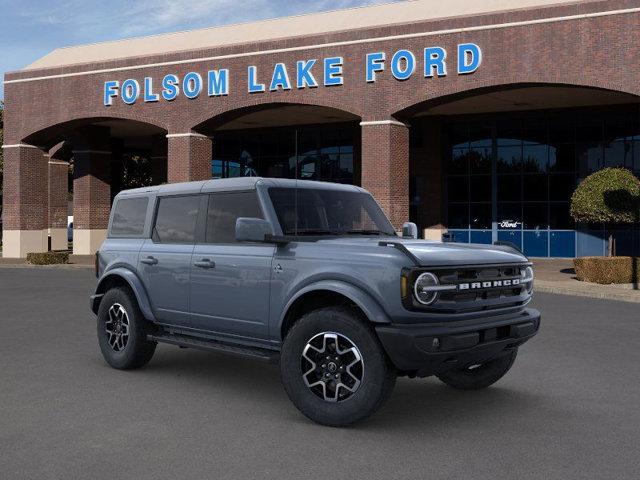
(420, 403)
(414, 404)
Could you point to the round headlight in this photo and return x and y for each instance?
(422, 289)
(527, 278)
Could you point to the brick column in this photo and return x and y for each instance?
(58, 191)
(159, 159)
(189, 157)
(91, 188)
(385, 167)
(24, 201)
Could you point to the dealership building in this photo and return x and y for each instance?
(474, 119)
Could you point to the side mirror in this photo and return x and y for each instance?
(409, 230)
(252, 229)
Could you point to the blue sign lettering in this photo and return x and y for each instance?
(280, 78)
(304, 76)
(434, 59)
(375, 63)
(170, 87)
(469, 58)
(218, 82)
(149, 96)
(254, 87)
(333, 71)
(130, 91)
(402, 67)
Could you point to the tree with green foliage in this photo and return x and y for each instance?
(609, 196)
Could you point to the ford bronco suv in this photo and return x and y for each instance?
(311, 275)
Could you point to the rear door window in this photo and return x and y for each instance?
(176, 219)
(129, 216)
(224, 209)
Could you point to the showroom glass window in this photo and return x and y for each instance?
(510, 176)
(324, 153)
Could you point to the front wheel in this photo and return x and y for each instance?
(476, 377)
(334, 369)
(122, 331)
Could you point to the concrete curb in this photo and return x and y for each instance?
(588, 290)
(64, 266)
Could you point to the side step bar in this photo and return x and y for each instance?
(187, 341)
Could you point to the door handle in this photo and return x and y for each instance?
(149, 260)
(204, 263)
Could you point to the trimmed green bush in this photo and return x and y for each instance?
(611, 195)
(607, 270)
(48, 258)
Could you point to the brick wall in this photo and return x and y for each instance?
(25, 189)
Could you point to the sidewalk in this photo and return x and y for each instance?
(558, 276)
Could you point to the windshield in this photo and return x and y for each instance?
(328, 212)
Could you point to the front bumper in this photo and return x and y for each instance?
(428, 349)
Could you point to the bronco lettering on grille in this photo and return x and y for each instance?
(511, 282)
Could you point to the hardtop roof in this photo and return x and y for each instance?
(233, 184)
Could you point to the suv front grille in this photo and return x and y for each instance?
(480, 275)
(476, 288)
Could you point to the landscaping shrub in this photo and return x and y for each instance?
(48, 258)
(611, 195)
(606, 270)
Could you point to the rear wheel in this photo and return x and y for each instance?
(334, 369)
(476, 377)
(122, 331)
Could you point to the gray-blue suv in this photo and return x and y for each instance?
(311, 275)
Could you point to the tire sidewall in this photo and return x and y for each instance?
(367, 398)
(124, 358)
(483, 377)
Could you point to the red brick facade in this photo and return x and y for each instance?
(189, 157)
(590, 44)
(58, 188)
(25, 188)
(385, 167)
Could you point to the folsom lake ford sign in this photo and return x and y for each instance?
(308, 73)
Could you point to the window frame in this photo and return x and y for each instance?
(197, 232)
(202, 239)
(142, 234)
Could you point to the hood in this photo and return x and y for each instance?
(439, 253)
(431, 253)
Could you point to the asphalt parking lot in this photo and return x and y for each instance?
(568, 408)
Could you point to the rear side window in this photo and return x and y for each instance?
(176, 219)
(224, 209)
(129, 216)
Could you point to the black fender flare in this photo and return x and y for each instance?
(134, 283)
(369, 306)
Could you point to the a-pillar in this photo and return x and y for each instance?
(385, 167)
(91, 190)
(189, 157)
(158, 159)
(58, 191)
(24, 201)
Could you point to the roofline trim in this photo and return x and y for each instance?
(332, 44)
(383, 122)
(189, 134)
(21, 145)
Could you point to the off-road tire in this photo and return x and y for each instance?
(481, 377)
(138, 350)
(378, 378)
